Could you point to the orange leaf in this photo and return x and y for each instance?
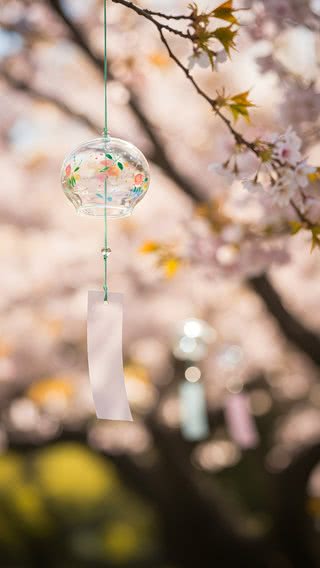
(148, 247)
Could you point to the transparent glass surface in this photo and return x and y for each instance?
(105, 173)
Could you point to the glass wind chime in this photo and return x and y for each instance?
(106, 177)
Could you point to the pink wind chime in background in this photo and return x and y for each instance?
(106, 177)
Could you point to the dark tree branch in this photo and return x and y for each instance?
(158, 156)
(302, 337)
(291, 520)
(149, 15)
(26, 88)
(168, 16)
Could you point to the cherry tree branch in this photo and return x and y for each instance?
(213, 102)
(261, 285)
(168, 16)
(149, 15)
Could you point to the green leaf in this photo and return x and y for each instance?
(99, 195)
(120, 166)
(239, 110)
(226, 36)
(109, 156)
(77, 168)
(104, 169)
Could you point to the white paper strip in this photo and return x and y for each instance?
(240, 422)
(193, 408)
(105, 356)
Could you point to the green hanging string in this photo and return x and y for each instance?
(106, 137)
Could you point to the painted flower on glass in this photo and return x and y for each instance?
(138, 179)
(72, 175)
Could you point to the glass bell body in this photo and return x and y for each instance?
(105, 174)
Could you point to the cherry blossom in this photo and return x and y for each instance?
(284, 190)
(224, 170)
(201, 59)
(301, 173)
(287, 148)
(252, 185)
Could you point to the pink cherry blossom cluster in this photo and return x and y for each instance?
(282, 172)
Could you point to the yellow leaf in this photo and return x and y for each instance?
(149, 246)
(315, 176)
(315, 237)
(225, 12)
(171, 266)
(266, 155)
(242, 99)
(239, 105)
(296, 226)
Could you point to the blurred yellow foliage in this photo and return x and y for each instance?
(122, 542)
(45, 389)
(72, 476)
(134, 371)
(171, 265)
(159, 59)
(149, 246)
(11, 472)
(23, 498)
(28, 505)
(166, 257)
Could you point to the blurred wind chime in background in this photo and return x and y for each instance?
(106, 177)
(238, 416)
(192, 341)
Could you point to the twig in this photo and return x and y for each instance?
(212, 101)
(168, 16)
(149, 15)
